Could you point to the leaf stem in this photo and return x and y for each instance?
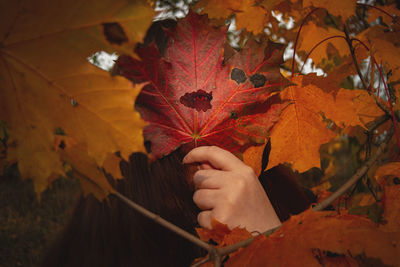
(353, 56)
(391, 112)
(315, 46)
(297, 38)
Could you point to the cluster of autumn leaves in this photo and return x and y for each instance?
(58, 110)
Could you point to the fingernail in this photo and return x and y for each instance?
(183, 160)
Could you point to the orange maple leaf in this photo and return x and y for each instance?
(345, 9)
(297, 136)
(249, 14)
(321, 238)
(311, 35)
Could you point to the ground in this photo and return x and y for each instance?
(27, 226)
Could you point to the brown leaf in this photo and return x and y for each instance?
(391, 169)
(391, 208)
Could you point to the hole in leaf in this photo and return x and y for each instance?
(103, 60)
(258, 80)
(396, 180)
(74, 103)
(238, 76)
(61, 144)
(59, 131)
(199, 100)
(114, 33)
(234, 115)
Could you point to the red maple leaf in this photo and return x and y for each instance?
(196, 97)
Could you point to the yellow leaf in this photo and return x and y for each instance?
(47, 81)
(92, 179)
(111, 165)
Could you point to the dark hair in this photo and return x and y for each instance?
(112, 234)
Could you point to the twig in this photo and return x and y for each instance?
(229, 249)
(378, 122)
(351, 47)
(315, 46)
(360, 173)
(166, 224)
(244, 243)
(297, 38)
(394, 20)
(197, 264)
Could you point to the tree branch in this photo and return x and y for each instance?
(166, 224)
(360, 173)
(229, 249)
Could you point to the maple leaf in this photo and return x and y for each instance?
(249, 14)
(385, 46)
(321, 238)
(48, 83)
(222, 235)
(391, 209)
(92, 178)
(389, 169)
(345, 9)
(296, 138)
(392, 10)
(253, 157)
(300, 132)
(311, 35)
(192, 97)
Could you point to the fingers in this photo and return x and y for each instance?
(205, 166)
(204, 219)
(211, 179)
(205, 199)
(217, 157)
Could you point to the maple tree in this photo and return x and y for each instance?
(194, 89)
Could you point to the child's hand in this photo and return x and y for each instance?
(229, 191)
